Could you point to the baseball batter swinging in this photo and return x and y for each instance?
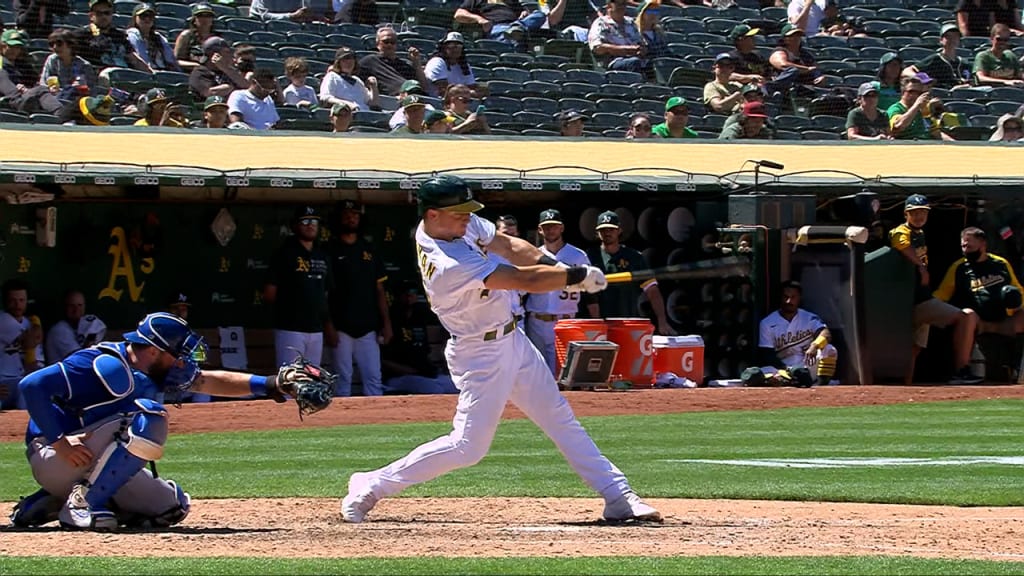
(95, 423)
(491, 361)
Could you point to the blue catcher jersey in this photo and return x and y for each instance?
(87, 386)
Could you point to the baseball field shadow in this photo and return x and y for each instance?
(188, 530)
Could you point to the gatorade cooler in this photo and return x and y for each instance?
(680, 355)
(634, 362)
(576, 330)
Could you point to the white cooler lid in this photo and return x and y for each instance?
(678, 341)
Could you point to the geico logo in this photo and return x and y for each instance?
(104, 181)
(687, 362)
(492, 185)
(193, 181)
(527, 185)
(281, 183)
(646, 344)
(371, 184)
(64, 179)
(570, 187)
(408, 185)
(146, 181)
(609, 187)
(647, 187)
(325, 183)
(686, 187)
(236, 181)
(25, 178)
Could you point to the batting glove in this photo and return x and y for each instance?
(593, 282)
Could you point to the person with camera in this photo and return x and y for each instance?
(907, 117)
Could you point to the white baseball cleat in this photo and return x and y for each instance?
(629, 506)
(78, 515)
(359, 500)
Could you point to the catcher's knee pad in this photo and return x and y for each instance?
(147, 431)
(174, 515)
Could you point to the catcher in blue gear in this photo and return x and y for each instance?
(96, 420)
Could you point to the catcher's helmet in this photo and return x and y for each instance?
(1011, 297)
(169, 333)
(449, 193)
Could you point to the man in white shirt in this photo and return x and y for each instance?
(806, 15)
(255, 107)
(543, 311)
(21, 337)
(76, 331)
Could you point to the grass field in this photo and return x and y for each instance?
(317, 461)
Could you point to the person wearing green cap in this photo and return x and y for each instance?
(392, 72)
(792, 62)
(188, 46)
(437, 122)
(341, 118)
(677, 114)
(946, 67)
(19, 81)
(751, 67)
(215, 113)
(105, 45)
(150, 45)
(414, 109)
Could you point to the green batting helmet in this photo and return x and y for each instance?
(449, 193)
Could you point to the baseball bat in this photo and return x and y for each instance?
(717, 268)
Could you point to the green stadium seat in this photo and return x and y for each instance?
(537, 89)
(587, 76)
(829, 123)
(860, 42)
(608, 120)
(122, 77)
(371, 118)
(984, 120)
(240, 24)
(503, 104)
(585, 106)
(689, 77)
(969, 133)
(654, 91)
(8, 117)
(534, 118)
(1000, 107)
(543, 75)
(699, 12)
(614, 106)
(682, 25)
(624, 77)
(788, 135)
(820, 135)
(1007, 93)
(539, 132)
(516, 75)
(547, 106)
(274, 65)
(359, 30)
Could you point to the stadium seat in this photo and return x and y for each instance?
(368, 129)
(689, 77)
(935, 14)
(515, 59)
(791, 122)
(882, 28)
(585, 106)
(435, 33)
(836, 53)
(587, 76)
(515, 75)
(44, 119)
(975, 94)
(224, 10)
(7, 117)
(371, 118)
(1000, 107)
(859, 42)
(984, 120)
(261, 51)
(570, 49)
(537, 89)
(969, 133)
(240, 24)
(123, 120)
(922, 27)
(703, 38)
(818, 42)
(829, 123)
(713, 122)
(607, 120)
(620, 91)
(897, 14)
(648, 106)
(614, 133)
(119, 77)
(274, 65)
(351, 29)
(682, 25)
(479, 60)
(535, 118)
(266, 38)
(1007, 93)
(614, 106)
(387, 103)
(966, 108)
(578, 89)
(913, 54)
(776, 13)
(124, 6)
(654, 91)
(539, 132)
(549, 61)
(788, 135)
(623, 77)
(819, 135)
(700, 12)
(720, 26)
(503, 104)
(297, 52)
(543, 75)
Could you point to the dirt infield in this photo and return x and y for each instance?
(551, 527)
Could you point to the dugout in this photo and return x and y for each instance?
(164, 189)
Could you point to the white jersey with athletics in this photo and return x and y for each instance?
(517, 296)
(12, 361)
(790, 339)
(559, 302)
(448, 268)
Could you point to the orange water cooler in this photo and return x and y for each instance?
(680, 355)
(576, 330)
(634, 362)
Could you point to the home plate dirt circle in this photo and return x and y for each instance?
(548, 527)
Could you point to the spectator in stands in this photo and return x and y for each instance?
(998, 65)
(217, 75)
(215, 113)
(76, 330)
(160, 110)
(245, 59)
(456, 104)
(341, 117)
(506, 20)
(342, 83)
(35, 17)
(1009, 128)
(255, 106)
(19, 81)
(21, 339)
(438, 122)
(677, 115)
(890, 67)
(622, 300)
(293, 10)
(570, 123)
(297, 286)
(87, 111)
(866, 121)
(907, 117)
(751, 67)
(652, 36)
(356, 12)
(1008, 12)
(909, 240)
(639, 127)
(414, 110)
(947, 68)
(615, 40)
(975, 17)
(722, 95)
(793, 63)
(103, 44)
(406, 363)
(387, 67)
(409, 88)
(188, 47)
(749, 125)
(297, 93)
(449, 66)
(806, 15)
(150, 45)
(70, 70)
(835, 24)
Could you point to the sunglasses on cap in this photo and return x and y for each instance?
(309, 221)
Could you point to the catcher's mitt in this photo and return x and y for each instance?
(311, 386)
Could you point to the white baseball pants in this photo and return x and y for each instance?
(366, 353)
(542, 334)
(489, 374)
